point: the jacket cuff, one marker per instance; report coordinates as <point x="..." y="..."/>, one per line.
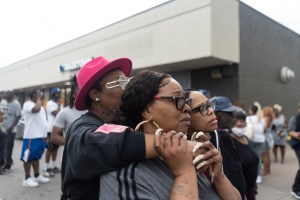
<point x="135" y="147"/>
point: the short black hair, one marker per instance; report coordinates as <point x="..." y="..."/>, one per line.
<point x="139" y="92"/>
<point x="254" y="109"/>
<point x="32" y="93"/>
<point x="240" y="114"/>
<point x="187" y="92"/>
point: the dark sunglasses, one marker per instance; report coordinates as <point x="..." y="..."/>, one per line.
<point x="203" y="108"/>
<point x="179" y="101"/>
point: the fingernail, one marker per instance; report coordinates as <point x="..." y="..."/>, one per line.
<point x="180" y="134"/>
<point x="197" y="146"/>
<point x="199" y="157"/>
<point x="212" y="177"/>
<point x="201" y="164"/>
<point x="174" y="132"/>
<point x="199" y="134"/>
<point x="193" y="136"/>
<point x="158" y="132"/>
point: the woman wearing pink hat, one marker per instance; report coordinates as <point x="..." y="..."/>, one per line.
<point x="93" y="147"/>
<point x="90" y="148"/>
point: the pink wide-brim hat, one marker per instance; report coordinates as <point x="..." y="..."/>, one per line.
<point x="93" y="71"/>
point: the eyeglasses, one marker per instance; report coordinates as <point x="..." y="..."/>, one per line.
<point x="122" y="83"/>
<point x="203" y="108"/>
<point x="179" y="101"/>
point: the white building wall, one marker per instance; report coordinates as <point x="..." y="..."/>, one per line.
<point x="225" y="30"/>
<point x="176" y="31"/>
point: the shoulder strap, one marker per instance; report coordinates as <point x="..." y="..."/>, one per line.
<point x="217" y="140"/>
<point x="218" y="145"/>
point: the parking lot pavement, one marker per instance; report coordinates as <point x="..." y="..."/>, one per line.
<point x="276" y="186"/>
<point x="11" y="184"/>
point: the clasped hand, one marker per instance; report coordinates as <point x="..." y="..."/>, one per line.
<point x="184" y="156"/>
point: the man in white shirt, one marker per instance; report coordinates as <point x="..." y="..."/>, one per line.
<point x="35" y="132"/>
<point x="52" y="109"/>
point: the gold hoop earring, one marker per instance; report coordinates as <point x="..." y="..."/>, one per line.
<point x="137" y="128"/>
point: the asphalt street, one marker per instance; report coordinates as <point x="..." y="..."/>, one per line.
<point x="276" y="186"/>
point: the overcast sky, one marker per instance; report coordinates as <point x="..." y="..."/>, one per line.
<point x="29" y="27"/>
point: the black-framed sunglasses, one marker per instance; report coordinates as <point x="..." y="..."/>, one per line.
<point x="203" y="108"/>
<point x="179" y="101"/>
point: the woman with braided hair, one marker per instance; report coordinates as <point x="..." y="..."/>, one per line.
<point x="155" y="102"/>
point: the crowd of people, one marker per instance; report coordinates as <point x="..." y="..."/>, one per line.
<point x="146" y="138"/>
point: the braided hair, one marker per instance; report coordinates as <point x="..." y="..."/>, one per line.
<point x="139" y="92"/>
<point x="74" y="86"/>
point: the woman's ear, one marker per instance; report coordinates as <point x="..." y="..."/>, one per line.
<point x="147" y="113"/>
<point x="94" y="95"/>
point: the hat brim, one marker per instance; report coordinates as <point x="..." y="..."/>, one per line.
<point x="230" y="109"/>
<point x="124" y="64"/>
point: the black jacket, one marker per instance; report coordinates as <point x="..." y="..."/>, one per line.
<point x="232" y="165"/>
<point x="88" y="154"/>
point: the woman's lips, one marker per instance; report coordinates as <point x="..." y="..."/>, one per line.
<point x="213" y="121"/>
<point x="186" y="121"/>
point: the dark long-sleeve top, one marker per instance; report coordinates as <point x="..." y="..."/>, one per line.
<point x="249" y="163"/>
<point x="91" y="151"/>
<point x="232" y="165"/>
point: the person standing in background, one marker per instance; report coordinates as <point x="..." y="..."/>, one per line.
<point x="269" y="142"/>
<point x="2" y="135"/>
<point x="294" y="133"/>
<point x="249" y="158"/>
<point x="240" y="104"/>
<point x="66" y="116"/>
<point x="64" y="119"/>
<point x="280" y="132"/>
<point x="52" y="109"/>
<point x="258" y="139"/>
<point x="12" y="115"/>
<point x="35" y="132"/>
<point x="223" y="109"/>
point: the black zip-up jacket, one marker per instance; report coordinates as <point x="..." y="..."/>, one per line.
<point x="89" y="153"/>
